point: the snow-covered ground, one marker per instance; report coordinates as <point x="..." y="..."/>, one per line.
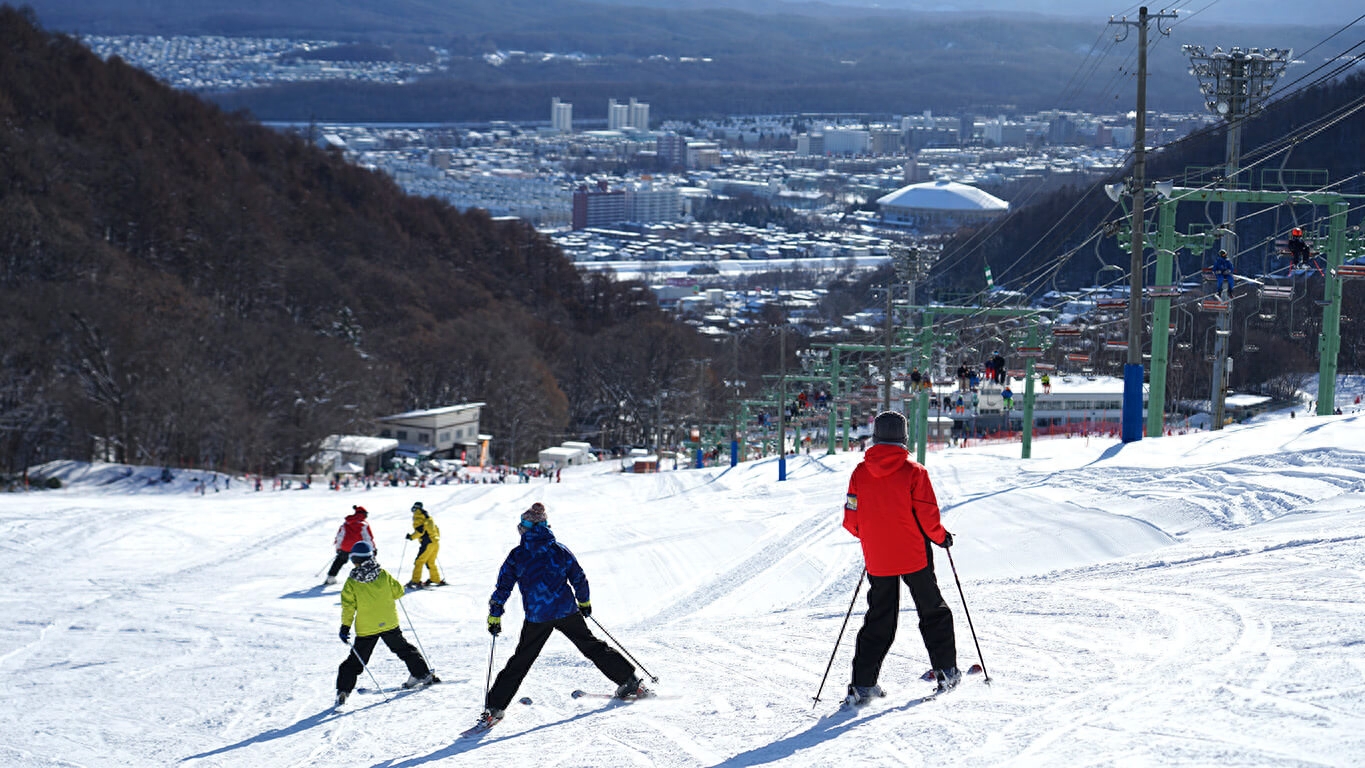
<point x="1194" y="600"/>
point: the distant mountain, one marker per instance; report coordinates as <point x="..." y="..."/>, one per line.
<point x="758" y="56"/>
<point x="1242" y="12"/>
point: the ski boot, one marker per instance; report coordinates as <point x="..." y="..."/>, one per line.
<point x="947" y="679"/>
<point x="631" y="689"/>
<point x="420" y="682"/>
<point x="861" y="694"/>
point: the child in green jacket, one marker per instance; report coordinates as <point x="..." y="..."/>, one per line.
<point x="370" y="601"/>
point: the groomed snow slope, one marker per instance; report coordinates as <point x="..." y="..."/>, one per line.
<point x="1182" y="601"/>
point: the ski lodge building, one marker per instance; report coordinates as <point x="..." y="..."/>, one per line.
<point x="450" y="432"/>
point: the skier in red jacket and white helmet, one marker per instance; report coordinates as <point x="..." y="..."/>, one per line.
<point x="353" y="529"/>
<point x="892" y="510"/>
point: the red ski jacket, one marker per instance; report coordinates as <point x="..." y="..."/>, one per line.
<point x="354" y="529"/>
<point x="891" y="508"/>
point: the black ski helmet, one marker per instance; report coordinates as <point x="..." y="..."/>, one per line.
<point x="361" y="551"/>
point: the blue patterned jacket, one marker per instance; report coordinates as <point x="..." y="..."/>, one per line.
<point x="543" y="569"/>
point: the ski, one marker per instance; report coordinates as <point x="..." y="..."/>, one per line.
<point x="974" y="669"/>
<point x="648" y="694"/>
<point x="480" y="728"/>
<point x="398" y="688"/>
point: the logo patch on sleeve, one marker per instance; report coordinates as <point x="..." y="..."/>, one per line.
<point x="851" y="502"/>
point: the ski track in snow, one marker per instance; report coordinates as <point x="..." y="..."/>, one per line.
<point x="1187" y="601"/>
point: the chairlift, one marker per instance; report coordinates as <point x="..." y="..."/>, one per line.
<point x="1162" y="291"/>
<point x="1111" y="304"/>
<point x="1116" y="346"/>
<point x="1065" y="331"/>
<point x="1215" y="305"/>
<point x="1349" y="272"/>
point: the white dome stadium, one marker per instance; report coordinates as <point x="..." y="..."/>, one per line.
<point x="939" y="205"/>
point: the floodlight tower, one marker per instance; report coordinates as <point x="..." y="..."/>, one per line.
<point x="1234" y="84"/>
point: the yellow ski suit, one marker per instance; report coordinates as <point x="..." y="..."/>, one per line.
<point x="425" y="530"/>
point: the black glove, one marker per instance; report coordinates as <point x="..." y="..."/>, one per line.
<point x="345" y="633"/>
<point x="495" y="625"/>
<point x="585" y="608"/>
<point x="947" y="540"/>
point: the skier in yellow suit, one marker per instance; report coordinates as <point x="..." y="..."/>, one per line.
<point x="424" y="530"/>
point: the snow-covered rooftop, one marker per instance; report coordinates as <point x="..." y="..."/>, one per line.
<point x="943" y="195"/>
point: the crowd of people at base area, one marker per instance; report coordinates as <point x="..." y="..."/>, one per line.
<point x="890" y="507"/>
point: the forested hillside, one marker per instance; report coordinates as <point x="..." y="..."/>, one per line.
<point x="178" y="284"/>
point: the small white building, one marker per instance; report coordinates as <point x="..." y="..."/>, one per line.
<point x="568" y="454"/>
<point x="353" y="454"/>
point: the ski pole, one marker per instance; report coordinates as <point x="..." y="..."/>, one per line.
<point x="413" y="629"/>
<point x="840" y="638"/>
<point x="325" y="566"/>
<point x="986" y="675"/>
<point x="652" y="678"/>
<point x="487" y="681"/>
<point x="366" y="667"/>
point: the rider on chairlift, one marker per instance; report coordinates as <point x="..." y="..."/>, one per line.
<point x="1299" y="253"/>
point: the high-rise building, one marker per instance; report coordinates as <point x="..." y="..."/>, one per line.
<point x="646" y="203"/>
<point x="618" y="115"/>
<point x="601" y="206"/>
<point x="639" y="115"/>
<point x="634" y="115"/>
<point x="598" y="207"/>
<point x="671" y="149"/>
<point x="561" y="115"/>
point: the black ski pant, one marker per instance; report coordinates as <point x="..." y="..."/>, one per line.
<point x="883" y="609"/>
<point x="339" y="561"/>
<point x="533" y="637"/>
<point x="350" y="669"/>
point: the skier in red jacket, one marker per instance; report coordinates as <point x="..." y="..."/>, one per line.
<point x="892" y="510"/>
<point x="353" y="529"/>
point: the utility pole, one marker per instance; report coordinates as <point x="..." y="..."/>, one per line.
<point x="1132" y="371"/>
<point x="886" y="353"/>
<point x="1234" y="83"/>
<point x="782" y="398"/>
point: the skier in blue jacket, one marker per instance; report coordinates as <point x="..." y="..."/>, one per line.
<point x="554" y="595"/>
<point x="1222" y="271"/>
